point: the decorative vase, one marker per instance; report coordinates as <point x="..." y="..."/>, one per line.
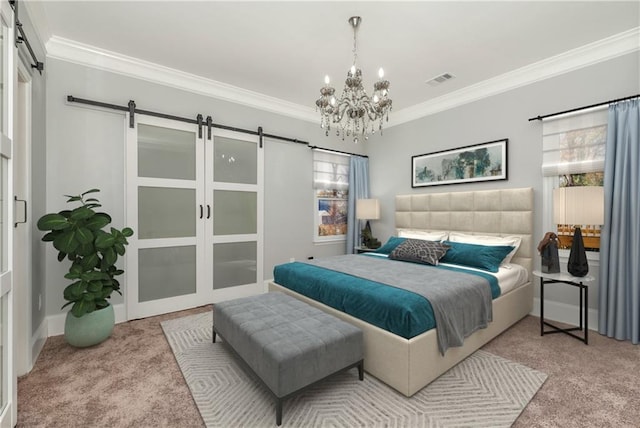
<point x="90" y="329"/>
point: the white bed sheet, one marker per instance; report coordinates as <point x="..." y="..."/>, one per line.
<point x="509" y="276"/>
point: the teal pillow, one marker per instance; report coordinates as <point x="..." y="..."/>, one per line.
<point x="390" y="245"/>
<point x="486" y="257"/>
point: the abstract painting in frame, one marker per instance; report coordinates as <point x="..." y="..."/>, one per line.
<point x="480" y="162"/>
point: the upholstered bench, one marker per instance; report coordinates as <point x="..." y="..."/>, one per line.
<point x="287" y="343"/>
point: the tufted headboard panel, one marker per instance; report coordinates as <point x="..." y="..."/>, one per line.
<point x="485" y="212"/>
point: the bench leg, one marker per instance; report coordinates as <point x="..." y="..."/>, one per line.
<point x="214" y="335"/>
<point x="278" y="411"/>
<point x="361" y="370"/>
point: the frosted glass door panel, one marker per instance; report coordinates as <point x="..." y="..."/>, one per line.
<point x="234" y="264"/>
<point x="234" y="212"/>
<point x="4" y="348"/>
<point x="166" y="153"/>
<point x="3" y="213"/>
<point x="235" y="161"/>
<point x="3" y="35"/>
<point x="166" y="272"/>
<point x="165" y="212"/>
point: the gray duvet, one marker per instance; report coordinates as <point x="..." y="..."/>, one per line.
<point x="461" y="302"/>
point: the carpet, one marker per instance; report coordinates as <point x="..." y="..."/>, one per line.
<point x="484" y="390"/>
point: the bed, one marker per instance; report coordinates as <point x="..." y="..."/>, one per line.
<point x="408" y="365"/>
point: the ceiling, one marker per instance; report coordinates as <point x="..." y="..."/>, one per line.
<point x="284" y="49"/>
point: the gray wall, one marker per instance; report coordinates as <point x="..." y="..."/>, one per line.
<point x="85" y="149"/>
<point x="501" y="116"/>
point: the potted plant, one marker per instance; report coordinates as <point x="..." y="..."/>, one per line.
<point x="79" y="235"/>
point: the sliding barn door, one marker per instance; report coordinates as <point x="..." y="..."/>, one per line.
<point x="234" y="187"/>
<point x="165" y="192"/>
<point x="195" y="204"/>
<point x="8" y="379"/>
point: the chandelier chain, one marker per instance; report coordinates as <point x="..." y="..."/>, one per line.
<point x="355" y="44"/>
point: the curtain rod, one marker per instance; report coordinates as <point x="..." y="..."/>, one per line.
<point x="131" y="108"/>
<point x="338" y="151"/>
<point x="22" y="38"/>
<point x="585" y="107"/>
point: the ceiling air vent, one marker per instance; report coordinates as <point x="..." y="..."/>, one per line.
<point x="440" y="79"/>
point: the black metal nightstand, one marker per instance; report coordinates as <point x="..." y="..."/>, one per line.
<point x="575" y="281"/>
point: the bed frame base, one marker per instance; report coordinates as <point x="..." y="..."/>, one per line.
<point x="408" y="365"/>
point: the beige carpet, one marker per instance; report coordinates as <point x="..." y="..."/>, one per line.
<point x="482" y="391"/>
<point x="133" y="380"/>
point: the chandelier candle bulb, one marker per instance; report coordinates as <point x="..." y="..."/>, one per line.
<point x="381" y="73"/>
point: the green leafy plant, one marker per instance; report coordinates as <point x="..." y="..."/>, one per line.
<point x="79" y="236"/>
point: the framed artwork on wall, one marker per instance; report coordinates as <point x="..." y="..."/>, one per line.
<point x="479" y="162"/>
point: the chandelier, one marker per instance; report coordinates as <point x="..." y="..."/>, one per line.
<point x="355" y="113"/>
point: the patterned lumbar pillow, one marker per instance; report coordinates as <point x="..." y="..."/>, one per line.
<point x="419" y="251"/>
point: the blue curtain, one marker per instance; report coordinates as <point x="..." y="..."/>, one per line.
<point x="619" y="308"/>
<point x="358" y="189"/>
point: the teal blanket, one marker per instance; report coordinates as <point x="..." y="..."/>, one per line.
<point x="396" y="310"/>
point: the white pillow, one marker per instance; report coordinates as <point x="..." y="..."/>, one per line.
<point x="425" y="235"/>
<point x="511" y="240"/>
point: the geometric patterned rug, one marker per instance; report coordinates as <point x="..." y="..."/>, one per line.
<point x="484" y="390"/>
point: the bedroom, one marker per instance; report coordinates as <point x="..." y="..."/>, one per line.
<point x="288" y="228"/>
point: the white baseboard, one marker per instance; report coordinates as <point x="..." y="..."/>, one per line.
<point x="56" y="322"/>
<point x="562" y="312"/>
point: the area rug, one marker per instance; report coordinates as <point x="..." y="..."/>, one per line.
<point x="484" y="390"/>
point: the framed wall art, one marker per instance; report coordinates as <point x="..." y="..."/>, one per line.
<point x="480" y="162"/>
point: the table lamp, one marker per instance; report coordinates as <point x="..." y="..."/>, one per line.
<point x="577" y="206"/>
<point x="368" y="209"/>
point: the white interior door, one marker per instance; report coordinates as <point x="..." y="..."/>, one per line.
<point x="234" y="234"/>
<point x="7" y="373"/>
<point x="22" y="221"/>
<point x="165" y="207"/>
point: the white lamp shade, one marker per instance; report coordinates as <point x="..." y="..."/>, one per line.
<point x="578" y="205"/>
<point x="367" y="209"/>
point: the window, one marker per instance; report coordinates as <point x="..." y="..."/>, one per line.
<point x="573" y="155"/>
<point x="331" y="190"/>
<point x="590" y="232"/>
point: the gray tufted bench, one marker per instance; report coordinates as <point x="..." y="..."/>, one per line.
<point x="287" y="343"/>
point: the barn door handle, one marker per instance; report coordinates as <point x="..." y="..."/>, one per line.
<point x="15" y="198"/>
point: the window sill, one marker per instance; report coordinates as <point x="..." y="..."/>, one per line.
<point x="330" y="241"/>
<point x="591" y="255"/>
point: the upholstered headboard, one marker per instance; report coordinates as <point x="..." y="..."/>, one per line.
<point x="485" y="212"/>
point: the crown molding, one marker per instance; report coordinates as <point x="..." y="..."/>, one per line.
<point x="602" y="50"/>
<point x="90" y="56"/>
<point x="593" y="53"/>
